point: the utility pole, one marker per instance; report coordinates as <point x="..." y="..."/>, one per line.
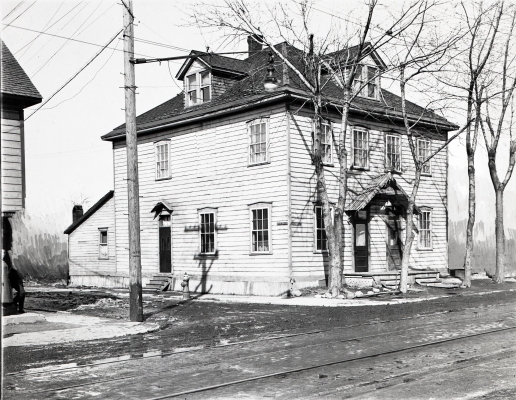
<point x="133" y="192"/>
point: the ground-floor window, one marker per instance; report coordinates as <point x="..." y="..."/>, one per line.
<point x="425" y="229"/>
<point x="321" y="242"/>
<point x="207" y="231"/>
<point x="103" y="244"/>
<point x="260" y="220"/>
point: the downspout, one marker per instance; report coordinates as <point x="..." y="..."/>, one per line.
<point x="289" y="203"/>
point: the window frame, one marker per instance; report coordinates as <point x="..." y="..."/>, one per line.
<point x="202" y="211"/>
<point x="366" y="131"/>
<point x="420" y="245"/>
<point x="390" y="167"/>
<point x="316" y="228"/>
<point x="260" y="206"/>
<point x="363" y="82"/>
<point x="329" y="124"/>
<point x="428" y="164"/>
<point x="249" y="125"/>
<point x="199" y="98"/>
<point x="165" y="142"/>
<point x="100" y="244"/>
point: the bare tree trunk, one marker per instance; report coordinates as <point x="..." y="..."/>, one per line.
<point x="500" y="238"/>
<point x="471" y="216"/>
<point x="409" y="233"/>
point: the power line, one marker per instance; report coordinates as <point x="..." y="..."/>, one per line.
<point x="21" y="14"/>
<point x="14" y="9"/>
<point x="77" y="73"/>
<point x="65" y="43"/>
<point x="44" y="30"/>
<point x="68" y="38"/>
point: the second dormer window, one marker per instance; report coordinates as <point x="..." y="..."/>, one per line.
<point x="198" y="87"/>
<point x="366" y="81"/>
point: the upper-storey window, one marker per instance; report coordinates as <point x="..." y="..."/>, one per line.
<point x="163" y="160"/>
<point x="366" y="81"/>
<point x="424" y="148"/>
<point x="326" y="142"/>
<point x="258" y="131"/>
<point x="198" y="87"/>
<point x="392" y="152"/>
<point x="360" y="148"/>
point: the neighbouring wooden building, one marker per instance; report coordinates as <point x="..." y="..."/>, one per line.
<point x="17" y="93"/>
<point x="227" y="186"/>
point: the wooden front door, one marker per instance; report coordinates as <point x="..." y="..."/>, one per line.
<point x="165" y="247"/>
<point x="361" y="244"/>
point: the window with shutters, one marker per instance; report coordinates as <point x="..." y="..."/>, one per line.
<point x="163" y="160"/>
<point x="207" y="231"/>
<point x="103" y="244"/>
<point x="258" y="134"/>
<point x="260" y="220"/>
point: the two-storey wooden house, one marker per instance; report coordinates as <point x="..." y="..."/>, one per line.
<point x="227" y="186"/>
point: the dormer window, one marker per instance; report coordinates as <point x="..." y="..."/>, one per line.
<point x="366" y="80"/>
<point x="198" y="87"/>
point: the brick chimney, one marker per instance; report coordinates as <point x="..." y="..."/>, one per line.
<point x="252" y="45"/>
<point x="77" y="212"/>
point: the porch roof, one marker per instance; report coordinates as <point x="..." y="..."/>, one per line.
<point x="373" y="188"/>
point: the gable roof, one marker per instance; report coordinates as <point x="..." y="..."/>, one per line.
<point x="249" y="91"/>
<point x="233" y="66"/>
<point x="351" y="52"/>
<point x="93" y="209"/>
<point x="15" y="81"/>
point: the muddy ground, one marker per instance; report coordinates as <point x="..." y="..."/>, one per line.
<point x="199" y="323"/>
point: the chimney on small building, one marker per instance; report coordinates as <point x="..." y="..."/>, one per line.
<point x="77" y="212"/>
<point x="253" y="45"/>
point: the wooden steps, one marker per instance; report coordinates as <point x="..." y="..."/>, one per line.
<point x="158" y="283"/>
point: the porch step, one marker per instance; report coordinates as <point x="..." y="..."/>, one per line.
<point x="157" y="283"/>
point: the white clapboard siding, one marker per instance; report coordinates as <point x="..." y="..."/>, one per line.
<point x="432" y="193"/>
<point x="12" y="165"/>
<point x="83" y="244"/>
<point x="209" y="168"/>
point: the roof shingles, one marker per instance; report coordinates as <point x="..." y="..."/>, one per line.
<point x="251" y="87"/>
<point x="14" y="79"/>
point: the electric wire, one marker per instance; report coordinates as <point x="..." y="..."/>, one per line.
<point x="45" y="28"/>
<point x="65" y="43"/>
<point x="77" y="73"/>
<point x="13" y="10"/>
<point x="24" y="11"/>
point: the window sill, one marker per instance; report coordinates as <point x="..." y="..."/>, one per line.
<point x="357" y="169"/>
<point x="257" y="164"/>
<point x="206" y="256"/>
<point x="323" y="252"/>
<point x="424" y="249"/>
<point x="328" y="164"/>
<point x="103" y="258"/>
<point x="163" y="179"/>
<point x="429" y="174"/>
<point x="261" y="253"/>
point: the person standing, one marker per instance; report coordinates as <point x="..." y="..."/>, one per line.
<point x="16" y="282"/>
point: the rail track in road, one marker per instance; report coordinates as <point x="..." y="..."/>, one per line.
<point x="499" y="317"/>
<point x="117" y="359"/>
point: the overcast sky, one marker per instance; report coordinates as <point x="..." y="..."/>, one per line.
<point x="65" y="158"/>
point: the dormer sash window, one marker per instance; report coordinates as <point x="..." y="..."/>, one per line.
<point x="366" y="81"/>
<point x="198" y="88"/>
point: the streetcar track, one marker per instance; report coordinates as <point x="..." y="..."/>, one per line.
<point x="285" y="336"/>
<point x="303" y="369"/>
<point x="160" y="371"/>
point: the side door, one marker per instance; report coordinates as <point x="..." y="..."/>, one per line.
<point x="361" y="241"/>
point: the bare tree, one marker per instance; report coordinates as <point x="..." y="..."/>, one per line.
<point x="496" y="102"/>
<point x="426" y="54"/>
<point x="482" y="32"/>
